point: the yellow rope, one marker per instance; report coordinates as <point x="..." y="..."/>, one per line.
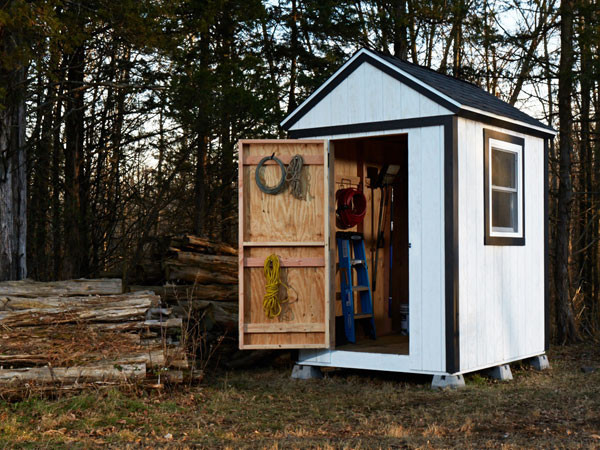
<point x="271" y="301"/>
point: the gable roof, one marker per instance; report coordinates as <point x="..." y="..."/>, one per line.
<point x="458" y="96"/>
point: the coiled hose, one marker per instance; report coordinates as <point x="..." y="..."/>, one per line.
<point x="351" y="208"/>
<point x="273" y="190"/>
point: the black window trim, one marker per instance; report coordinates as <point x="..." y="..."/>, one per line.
<point x="501" y="240"/>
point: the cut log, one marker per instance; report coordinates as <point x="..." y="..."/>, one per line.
<point x="168" y="324"/>
<point x="224" y="314"/>
<point x="70" y="375"/>
<point x="127" y="307"/>
<point x="201" y="245"/>
<point x="29" y="288"/>
<point x="171" y="293"/>
<point x="198" y="275"/>
<point x="12" y="303"/>
<point x="213" y="263"/>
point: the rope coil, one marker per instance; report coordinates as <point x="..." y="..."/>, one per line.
<point x="292" y="176"/>
<point x="352" y="207"/>
<point x="271" y="301"/>
<point x="272" y="190"/>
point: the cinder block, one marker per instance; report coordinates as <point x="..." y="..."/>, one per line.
<point x="447" y="381"/>
<point x="539" y="362"/>
<point x="306" y="372"/>
<point x="501" y="373"/>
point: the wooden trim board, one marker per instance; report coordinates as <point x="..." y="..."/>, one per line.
<point x="309" y="160"/>
<point x="287" y="262"/>
<point x="283" y="327"/>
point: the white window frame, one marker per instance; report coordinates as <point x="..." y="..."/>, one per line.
<point x="518" y="151"/>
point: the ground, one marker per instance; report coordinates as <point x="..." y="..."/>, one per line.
<point x="264" y="408"/>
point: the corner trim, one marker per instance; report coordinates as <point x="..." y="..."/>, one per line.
<point x="546" y="251"/>
<point x="500" y="240"/>
<point x="366" y="127"/>
<point x="451" y="244"/>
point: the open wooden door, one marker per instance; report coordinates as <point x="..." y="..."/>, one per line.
<point x="298" y="232"/>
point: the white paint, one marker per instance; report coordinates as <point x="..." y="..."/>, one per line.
<point x="427" y="347"/>
<point x="501" y="288"/>
<point x="426" y="255"/>
<point x="368" y="95"/>
<point x="517" y="150"/>
<point x="350" y="61"/>
<point x="392" y="96"/>
<point x="360" y="360"/>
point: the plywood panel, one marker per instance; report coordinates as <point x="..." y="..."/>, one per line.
<point x="501" y="287"/>
<point x="283" y="217"/>
<point x="297" y="232"/>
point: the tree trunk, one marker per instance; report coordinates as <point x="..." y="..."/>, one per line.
<point x="13" y="175"/>
<point x="587" y="257"/>
<point x="400" y="30"/>
<point x="565" y="322"/>
<point x="74" y="129"/>
<point x="294" y="48"/>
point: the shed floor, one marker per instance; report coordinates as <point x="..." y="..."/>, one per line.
<point x="391" y="344"/>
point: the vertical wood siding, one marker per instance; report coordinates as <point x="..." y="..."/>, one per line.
<point x="501" y="288"/>
<point x="426" y="255"/>
<point x="368" y="95"/>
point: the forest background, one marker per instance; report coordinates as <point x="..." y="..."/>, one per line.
<point x="119" y="120"/>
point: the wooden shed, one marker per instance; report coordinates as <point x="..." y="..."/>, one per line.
<point x="463" y="241"/>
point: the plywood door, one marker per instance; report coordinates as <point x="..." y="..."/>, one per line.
<point x="295" y="230"/>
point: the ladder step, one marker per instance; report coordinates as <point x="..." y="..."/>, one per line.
<point x="362" y="316"/>
<point x="357" y="262"/>
<point x="360" y="288"/>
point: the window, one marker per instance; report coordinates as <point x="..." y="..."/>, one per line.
<point x="503" y="186"/>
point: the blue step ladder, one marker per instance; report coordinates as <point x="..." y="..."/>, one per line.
<point x="352" y="255"/>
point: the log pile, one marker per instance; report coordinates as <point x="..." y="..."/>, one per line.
<point x="77" y="332"/>
<point x="202" y="276"/>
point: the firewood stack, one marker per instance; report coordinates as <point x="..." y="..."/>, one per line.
<point x="70" y="334"/>
<point x="202" y="275"/>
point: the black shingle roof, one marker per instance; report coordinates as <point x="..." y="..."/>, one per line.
<point x="463" y="92"/>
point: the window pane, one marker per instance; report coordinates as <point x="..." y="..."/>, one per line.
<point x="504" y="210"/>
<point x="504" y="168"/>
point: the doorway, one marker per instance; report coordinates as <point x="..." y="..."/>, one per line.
<point x="362" y="163"/>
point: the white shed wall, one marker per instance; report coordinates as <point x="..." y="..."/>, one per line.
<point x="501" y="288"/>
<point x="368" y="95"/>
<point x="427" y="349"/>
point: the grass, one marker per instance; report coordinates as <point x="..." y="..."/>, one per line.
<point x="264" y="408"/>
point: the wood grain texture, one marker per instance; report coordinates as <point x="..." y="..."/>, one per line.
<point x="309" y="159"/>
<point x="30" y="288"/>
<point x="293" y="229"/>
<point x="287" y="262"/>
<point x="283" y="217"/>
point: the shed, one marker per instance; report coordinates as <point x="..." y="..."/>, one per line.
<point x="463" y="241"/>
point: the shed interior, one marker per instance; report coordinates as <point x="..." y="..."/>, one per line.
<point x="357" y="163"/>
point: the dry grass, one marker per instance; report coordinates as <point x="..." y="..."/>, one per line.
<point x="263" y="408"/>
